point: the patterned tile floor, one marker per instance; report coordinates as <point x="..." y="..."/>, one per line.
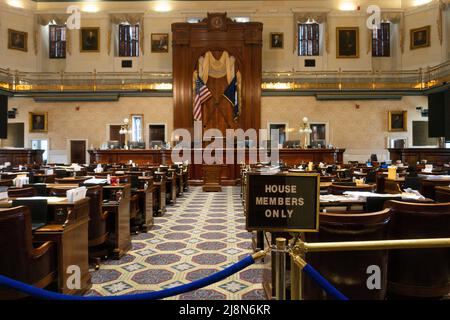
<point x="201" y="234"/>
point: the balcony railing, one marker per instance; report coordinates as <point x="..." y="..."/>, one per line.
<point x="42" y="82"/>
<point x="419" y="79"/>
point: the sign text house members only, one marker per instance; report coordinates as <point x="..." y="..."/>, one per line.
<point x="283" y="202"/>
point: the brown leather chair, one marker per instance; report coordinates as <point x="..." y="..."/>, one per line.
<point x="6" y="183"/>
<point x="419" y="272"/>
<point x="70" y="181"/>
<point x="337" y="189"/>
<point x="20" y="260"/>
<point x="327" y="178"/>
<point x="428" y="186"/>
<point x="97" y="230"/>
<point x="21" y="192"/>
<point x="347" y="270"/>
<point x="442" y="194"/>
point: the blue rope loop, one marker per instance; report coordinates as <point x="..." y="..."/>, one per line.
<point x="215" y="277"/>
<point x="323" y="283"/>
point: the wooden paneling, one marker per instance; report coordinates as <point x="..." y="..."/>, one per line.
<point x="21" y="156"/>
<point x="413" y="155"/>
<point x="241" y="40"/>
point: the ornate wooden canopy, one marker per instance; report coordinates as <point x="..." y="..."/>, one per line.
<point x="217" y="34"/>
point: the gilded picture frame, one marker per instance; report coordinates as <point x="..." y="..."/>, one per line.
<point x="347" y="42"/>
<point x="38" y="121"/>
<point x="276" y="40"/>
<point x="419" y="37"/>
<point x="17" y="40"/>
<point x="397" y="121"/>
<point x="160" y="42"/>
<point x="90" y="39"/>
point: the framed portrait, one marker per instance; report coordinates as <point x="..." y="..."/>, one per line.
<point x="347" y="42"/>
<point x="318" y="136"/>
<point x="90" y="39"/>
<point x="38" y="122"/>
<point x="160" y="42"/>
<point x="277" y="40"/>
<point x="398" y="121"/>
<point x="419" y="38"/>
<point x="17" y="40"/>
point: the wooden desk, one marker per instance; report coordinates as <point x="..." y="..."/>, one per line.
<point x="230" y="173"/>
<point x="160" y="184"/>
<point x="413" y="155"/>
<point x="21" y="156"/>
<point x="119" y="219"/>
<point x="44" y="178"/>
<point x="72" y="243"/>
<point x="147" y="195"/>
<point x="68" y="228"/>
<point x="171" y="186"/>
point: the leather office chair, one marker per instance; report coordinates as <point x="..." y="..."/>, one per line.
<point x="20" y="260"/>
<point x="21" y="192"/>
<point x="6" y="183"/>
<point x="337" y="189"/>
<point x="442" y="194"/>
<point x="419" y="272"/>
<point x="327" y="178"/>
<point x="428" y="185"/>
<point x="97" y="230"/>
<point x="412" y="182"/>
<point x="70" y="181"/>
<point x="347" y="270"/>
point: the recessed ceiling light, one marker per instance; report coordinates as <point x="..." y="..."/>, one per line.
<point x="90" y="8"/>
<point x="347" y="6"/>
<point x="162" y="6"/>
<point x="15" y="3"/>
<point x="420" y="2"/>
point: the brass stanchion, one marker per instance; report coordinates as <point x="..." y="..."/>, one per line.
<point x="280" y="269"/>
<point x="374" y="245"/>
<point x="296" y="275"/>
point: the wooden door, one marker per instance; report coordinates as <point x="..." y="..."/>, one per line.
<point x="78" y="151"/>
<point x="114" y="134"/>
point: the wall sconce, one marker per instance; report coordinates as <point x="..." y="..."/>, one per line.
<point x="305" y="129"/>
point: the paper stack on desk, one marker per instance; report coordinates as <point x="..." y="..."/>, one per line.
<point x="20" y="181"/>
<point x="96" y="181"/>
<point x="76" y="194"/>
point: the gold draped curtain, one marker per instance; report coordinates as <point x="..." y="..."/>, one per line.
<point x="394" y="18"/>
<point x="131" y="18"/>
<point x="42" y="20"/>
<point x="209" y="66"/>
<point x="303" y="17"/>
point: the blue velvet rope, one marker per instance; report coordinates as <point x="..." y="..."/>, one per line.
<point x="323" y="283"/>
<point x="215" y="277"/>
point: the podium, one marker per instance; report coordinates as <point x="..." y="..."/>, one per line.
<point x="212" y="178"/>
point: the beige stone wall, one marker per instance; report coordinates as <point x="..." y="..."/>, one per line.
<point x="90" y="122"/>
<point x="275" y="18"/>
<point x="361" y="131"/>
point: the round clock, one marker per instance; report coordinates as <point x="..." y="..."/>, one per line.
<point x="217" y="22"/>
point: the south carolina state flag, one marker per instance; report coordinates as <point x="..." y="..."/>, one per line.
<point x="231" y="94"/>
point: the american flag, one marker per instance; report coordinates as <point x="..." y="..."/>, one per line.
<point x="202" y="94"/>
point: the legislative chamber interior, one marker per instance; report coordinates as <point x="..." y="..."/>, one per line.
<point x="225" y="150"/>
